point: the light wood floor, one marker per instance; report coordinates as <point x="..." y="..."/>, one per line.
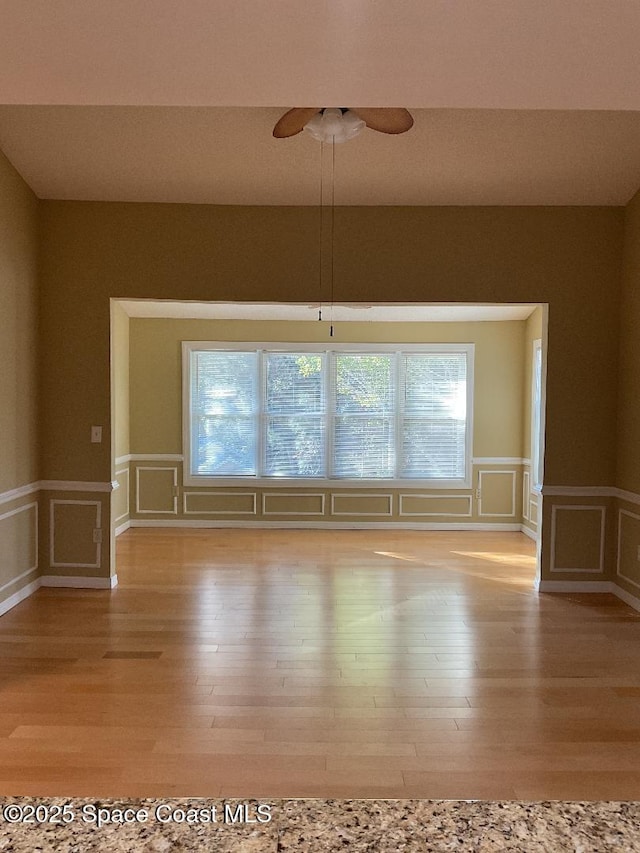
<point x="321" y="663"/>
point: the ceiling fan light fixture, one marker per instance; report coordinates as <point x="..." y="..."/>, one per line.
<point x="332" y="125"/>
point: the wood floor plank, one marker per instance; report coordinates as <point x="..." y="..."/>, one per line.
<point x="293" y="663"/>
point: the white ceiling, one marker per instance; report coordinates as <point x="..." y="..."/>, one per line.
<point x="515" y="101"/>
<point x="380" y="312"/>
<point x="228" y="156"/>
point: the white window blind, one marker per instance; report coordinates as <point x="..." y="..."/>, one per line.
<point x="294" y="422"/>
<point x="354" y="415"/>
<point x="434" y="416"/>
<point x="224" y="408"/>
<point x="363" y="426"/>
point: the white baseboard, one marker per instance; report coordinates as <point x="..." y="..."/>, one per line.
<point x="575" y="586"/>
<point x="528" y="532"/>
<point x="625" y="596"/>
<point x="591" y="586"/>
<point x="77" y="582"/>
<point x="122" y="527"/>
<point x="19" y="596"/>
<point x="324" y="525"/>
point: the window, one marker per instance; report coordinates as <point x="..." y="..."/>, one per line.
<point x="298" y="412"/>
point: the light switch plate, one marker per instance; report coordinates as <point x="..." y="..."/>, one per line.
<point x="96" y="434"/>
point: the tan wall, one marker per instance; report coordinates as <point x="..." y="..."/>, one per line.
<point x="158" y="497"/>
<point x="156" y="364"/>
<point x="19" y="450"/>
<point x="156" y="428"/>
<point x="567" y="257"/>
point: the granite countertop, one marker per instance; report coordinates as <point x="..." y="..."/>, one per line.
<point x="316" y="826"/>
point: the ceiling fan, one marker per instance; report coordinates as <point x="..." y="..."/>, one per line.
<point x="384" y="119"/>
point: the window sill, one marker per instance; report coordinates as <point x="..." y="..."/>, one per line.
<point x="322" y="483"/>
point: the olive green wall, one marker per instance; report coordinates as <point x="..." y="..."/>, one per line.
<point x="19" y="451"/>
<point x="568" y="257"/>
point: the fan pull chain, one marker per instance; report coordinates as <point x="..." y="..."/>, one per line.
<point x="333" y="209"/>
<point x="321" y="230"/>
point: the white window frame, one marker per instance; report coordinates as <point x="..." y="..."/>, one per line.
<point x="190" y="479"/>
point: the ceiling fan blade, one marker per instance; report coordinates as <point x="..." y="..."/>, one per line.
<point x="385" y="119"/>
<point x="293" y="121"/>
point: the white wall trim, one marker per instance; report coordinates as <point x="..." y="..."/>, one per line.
<point x="575" y="586"/>
<point x="52" y="535"/>
<point x="189" y="492"/>
<point x="327" y="525"/>
<point x="630" y="497"/>
<point x="122" y="460"/>
<point x="19" y="577"/>
<point x="320" y="495"/>
<point x="468" y="514"/>
<point x="74" y="486"/>
<point x="590" y="586"/>
<point x="499" y="460"/>
<point x="511" y="514"/>
<point x="20" y="492"/>
<point x="79" y="582"/>
<point x="533" y="509"/>
<point x="579" y="491"/>
<point x="529" y="532"/>
<point x="622" y="512"/>
<point x="173" y="511"/>
<point x="156" y="457"/>
<point x="591" y="492"/>
<point x="121" y="528"/>
<point x="625" y="596"/>
<point x="574" y="507"/>
<point x="20" y="595"/>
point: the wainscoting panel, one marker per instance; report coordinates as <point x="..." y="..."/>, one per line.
<point x="18" y="545"/>
<point x="436" y="505"/>
<point x="71" y="533"/>
<point x="355" y="505"/>
<point x="526" y="488"/>
<point x="219" y="503"/>
<point x="120" y="499"/>
<point x="628" y="556"/>
<point x="158" y="493"/>
<point x="290" y="504"/>
<point x="497" y="494"/>
<point x="156" y="488"/>
<point x="578" y="538"/>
